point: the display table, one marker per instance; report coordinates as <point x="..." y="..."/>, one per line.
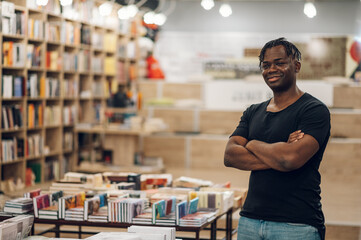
<point x="212" y="226"/>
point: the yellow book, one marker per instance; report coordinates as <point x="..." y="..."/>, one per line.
<point x="110" y="42"/>
<point x="114" y="86"/>
<point x="54" y="60"/>
<point x="31" y="28"/>
<point x="109" y="65"/>
<point x="42" y="86"/>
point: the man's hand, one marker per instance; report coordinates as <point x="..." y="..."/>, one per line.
<point x="295" y="136"/>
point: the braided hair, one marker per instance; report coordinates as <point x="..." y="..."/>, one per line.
<point x="291" y="49"/>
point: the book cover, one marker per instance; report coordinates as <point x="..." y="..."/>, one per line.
<point x="181" y="210"/>
<point x="40" y="202"/>
<point x="193" y="205"/>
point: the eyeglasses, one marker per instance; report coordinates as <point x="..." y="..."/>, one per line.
<point x="277" y="64"/>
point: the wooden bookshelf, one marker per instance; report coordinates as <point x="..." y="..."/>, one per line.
<point x="62" y="75"/>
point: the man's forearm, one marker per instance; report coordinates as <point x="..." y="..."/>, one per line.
<point x="275" y="155"/>
<point x="239" y="157"/>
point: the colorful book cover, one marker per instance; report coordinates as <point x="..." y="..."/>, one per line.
<point x="40" y="202"/>
<point x="193" y="205"/>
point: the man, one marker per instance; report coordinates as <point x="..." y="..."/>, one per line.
<point x="281" y="141"/>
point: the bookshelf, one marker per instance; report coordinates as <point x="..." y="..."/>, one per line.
<point x="58" y="69"/>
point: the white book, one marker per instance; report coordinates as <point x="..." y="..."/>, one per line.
<point x="7" y="86"/>
<point x="168" y="231"/>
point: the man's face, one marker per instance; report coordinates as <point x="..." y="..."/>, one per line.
<point x="279" y="70"/>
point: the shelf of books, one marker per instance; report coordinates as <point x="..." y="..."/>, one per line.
<point x="59" y="65"/>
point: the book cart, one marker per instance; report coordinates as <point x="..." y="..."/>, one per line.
<point x="212" y="226"/>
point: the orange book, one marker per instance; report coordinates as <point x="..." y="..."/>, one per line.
<point x="42" y="86"/>
<point x="31" y="115"/>
<point x="40" y="115"/>
<point x="48" y="59"/>
<point x="10" y="54"/>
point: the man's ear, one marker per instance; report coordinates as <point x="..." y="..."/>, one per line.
<point x="297" y="66"/>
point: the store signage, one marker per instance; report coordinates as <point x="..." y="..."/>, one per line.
<point x="238" y="95"/>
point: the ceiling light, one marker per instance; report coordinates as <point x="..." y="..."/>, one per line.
<point x="160" y="19"/>
<point x="225" y="10"/>
<point x="207" y="4"/>
<point x="309" y="10"/>
<point x="149" y="17"/>
<point x="132" y="10"/>
<point x="105" y="9"/>
<point x="123" y="13"/>
<point x="41" y="2"/>
<point x="66" y="2"/>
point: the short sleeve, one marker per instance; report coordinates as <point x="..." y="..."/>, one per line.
<point x="315" y="121"/>
<point x="243" y="126"/>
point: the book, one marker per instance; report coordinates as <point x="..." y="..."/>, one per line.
<point x="93" y="204"/>
<point x="158" y="210"/>
<point x="123" y="177"/>
<point x="198" y="218"/>
<point x="169" y="232"/>
<point x="69" y="202"/>
<point x="40" y="202"/>
<point x="32" y="193"/>
<point x="193" y="205"/>
<point x="23" y="223"/>
<point x="19" y="205"/>
<point x="181" y="210"/>
<point x="99" y="216"/>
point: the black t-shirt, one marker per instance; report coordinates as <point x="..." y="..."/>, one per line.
<point x="287" y="196"/>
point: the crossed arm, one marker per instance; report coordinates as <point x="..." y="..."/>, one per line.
<point x="282" y="156"/>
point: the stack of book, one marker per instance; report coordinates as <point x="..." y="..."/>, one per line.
<point x="125" y="209"/>
<point x="167" y="233"/>
<point x="209" y="197"/>
<point x="75" y="214"/>
<point x="68" y="188"/>
<point x="72" y="207"/>
<point x="19" y="205"/>
<point x="164" y="212"/>
<point x="150" y="181"/>
<point x="195" y="216"/>
<point x="18" y="227"/>
<point x="239" y="197"/>
<point x="144" y="218"/>
<point x="99" y="216"/>
<point x="123" y="177"/>
<point x="46" y="205"/>
<point x="189" y="182"/>
<point x="155" y="235"/>
<point x="198" y="218"/>
<point x="93" y="205"/>
<point x="91" y="180"/>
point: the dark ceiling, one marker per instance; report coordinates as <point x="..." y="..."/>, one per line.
<point x="149" y="4"/>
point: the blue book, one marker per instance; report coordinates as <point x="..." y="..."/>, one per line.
<point x="181" y="210"/>
<point x="193" y="205"/>
<point x="18" y="86"/>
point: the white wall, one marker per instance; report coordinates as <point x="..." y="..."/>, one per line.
<point x="333" y="17"/>
<point x="193" y="36"/>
